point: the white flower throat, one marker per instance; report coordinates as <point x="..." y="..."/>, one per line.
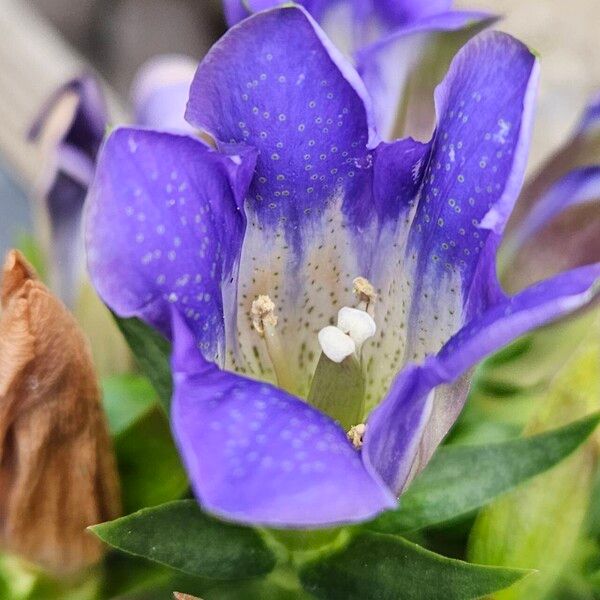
<point x="338" y="384"/>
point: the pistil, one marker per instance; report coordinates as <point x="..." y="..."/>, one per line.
<point x="339" y="384"/>
<point x="338" y="389"/>
<point x="264" y="321"/>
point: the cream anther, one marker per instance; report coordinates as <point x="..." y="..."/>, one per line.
<point x="365" y="293"/>
<point x="358" y="324"/>
<point x="356" y="435"/>
<point x="263" y="313"/>
<point x="336" y="345"/>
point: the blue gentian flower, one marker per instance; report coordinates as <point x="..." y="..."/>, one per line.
<point x="302" y="263"/>
<point x="401" y="49"/>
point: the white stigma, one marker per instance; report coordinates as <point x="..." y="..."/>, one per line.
<point x="354" y="325"/>
<point x="336" y="344"/>
<point x="358" y="324"/>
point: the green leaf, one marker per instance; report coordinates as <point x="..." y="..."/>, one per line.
<point x="384" y="567"/>
<point x="181" y="536"/>
<point x="126" y="398"/>
<point x="460" y="479"/>
<point x="149" y="465"/>
<point x="152" y="352"/>
<point x="130" y="575"/>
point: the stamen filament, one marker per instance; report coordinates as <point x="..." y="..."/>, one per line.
<point x="338" y="386"/>
<point x="264" y="321"/>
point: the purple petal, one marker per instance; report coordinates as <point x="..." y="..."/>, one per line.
<point x="431" y="277"/>
<point x="276" y="83"/>
<point x="164" y="230"/>
<point x="80" y="126"/>
<point x="475" y="171"/>
<point x="400" y="12"/>
<point x="65" y="201"/>
<point x="72" y="124"/>
<point x="395" y="429"/>
<point x="160" y="92"/>
<point x="259" y="455"/>
<point x="402" y="68"/>
<point x="390" y="13"/>
<point x="397" y="179"/>
<point x="236" y="10"/>
<point x="561" y="232"/>
<point x="406" y="409"/>
<point x="536" y="306"/>
<point x="591" y="116"/>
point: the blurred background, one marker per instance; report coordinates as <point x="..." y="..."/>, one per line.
<point x="44" y="42"/>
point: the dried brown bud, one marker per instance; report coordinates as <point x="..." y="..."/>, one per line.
<point x="57" y="468"/>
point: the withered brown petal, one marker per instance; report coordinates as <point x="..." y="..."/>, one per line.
<point x="57" y="468"/>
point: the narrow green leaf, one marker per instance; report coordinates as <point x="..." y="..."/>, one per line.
<point x="460" y="479"/>
<point x="383" y="567"/>
<point x="149" y="464"/>
<point x="152" y="352"/>
<point x="181" y="536"/>
<point x="126" y="399"/>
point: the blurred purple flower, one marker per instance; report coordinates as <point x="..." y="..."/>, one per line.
<point x="556" y="222"/>
<point x="72" y="126"/>
<point x="401" y="49"/>
<point x="160" y="91"/>
<point x="299" y="199"/>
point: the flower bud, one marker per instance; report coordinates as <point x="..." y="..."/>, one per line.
<point x="57" y="468"/>
<point x="539" y="524"/>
